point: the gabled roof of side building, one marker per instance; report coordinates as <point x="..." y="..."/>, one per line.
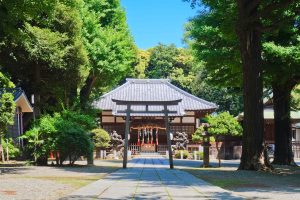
<point x="269" y="115"/>
<point x="20" y="98"/>
<point x="153" y="90"/>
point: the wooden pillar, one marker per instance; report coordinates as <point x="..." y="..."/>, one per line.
<point x="168" y="137"/>
<point x="126" y="137"/>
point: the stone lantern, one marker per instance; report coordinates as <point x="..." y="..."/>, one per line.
<point x="206" y="145"/>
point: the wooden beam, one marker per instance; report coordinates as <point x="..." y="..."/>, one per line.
<point x="145" y="103"/>
<point x="126" y="137"/>
<point x="145" y="112"/>
<point x="168" y="137"/>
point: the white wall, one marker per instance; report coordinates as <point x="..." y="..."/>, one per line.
<point x="297" y="134"/>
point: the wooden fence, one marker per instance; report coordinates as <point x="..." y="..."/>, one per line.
<point x="134" y="148"/>
<point x="162" y="149"/>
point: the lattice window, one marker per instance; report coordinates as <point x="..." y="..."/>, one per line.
<point x="187" y="129"/>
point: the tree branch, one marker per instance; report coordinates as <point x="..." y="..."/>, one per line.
<point x="273" y="6"/>
<point x="277" y="23"/>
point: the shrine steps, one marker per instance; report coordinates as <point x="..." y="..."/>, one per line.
<point x="149" y="155"/>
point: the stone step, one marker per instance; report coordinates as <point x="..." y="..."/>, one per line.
<point x="148" y="155"/>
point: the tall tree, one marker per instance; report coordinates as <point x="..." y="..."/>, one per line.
<point x="249" y="19"/>
<point x="168" y="61"/>
<point x="7" y="107"/>
<point x="143" y="58"/>
<point x="43" y="50"/>
<point x="111" y="49"/>
<point x="283" y="67"/>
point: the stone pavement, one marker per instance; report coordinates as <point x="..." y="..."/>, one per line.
<point x="150" y="178"/>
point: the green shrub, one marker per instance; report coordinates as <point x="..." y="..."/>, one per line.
<point x="66" y="132"/>
<point x="199" y="154"/>
<point x="72" y="142"/>
<point x="41" y="138"/>
<point x="185" y="154"/>
<point x="101" y="138"/>
<point x="13" y="151"/>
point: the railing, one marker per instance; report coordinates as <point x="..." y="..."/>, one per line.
<point x="134" y="148"/>
<point x="162" y="148"/>
<point x="296" y="149"/>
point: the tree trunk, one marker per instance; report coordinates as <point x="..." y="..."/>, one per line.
<point x="37" y="94"/>
<point x="283" y="154"/>
<point x="1" y="150"/>
<point x="86" y="90"/>
<point x="253" y="124"/>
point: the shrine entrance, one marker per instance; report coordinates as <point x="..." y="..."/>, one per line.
<point x="128" y="110"/>
<point x="147" y="139"/>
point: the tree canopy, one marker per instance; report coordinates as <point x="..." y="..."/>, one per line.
<point x="7" y="104"/>
<point x="223" y="31"/>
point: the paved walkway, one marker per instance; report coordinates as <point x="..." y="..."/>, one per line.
<point x="150" y="178"/>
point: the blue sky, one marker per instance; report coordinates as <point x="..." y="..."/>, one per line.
<point x="154" y="21"/>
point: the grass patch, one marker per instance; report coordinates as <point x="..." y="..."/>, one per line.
<point x="218" y="180"/>
<point x="231" y="179"/>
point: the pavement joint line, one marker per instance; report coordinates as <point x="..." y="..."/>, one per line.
<point x="136" y="188"/>
<point x="161" y="182"/>
<point x="131" y="169"/>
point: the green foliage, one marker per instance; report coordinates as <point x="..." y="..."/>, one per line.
<point x="168" y="61"/>
<point x="199" y="155"/>
<point x="101" y="138"/>
<point x="227" y="98"/>
<point x="86" y="122"/>
<point x="212" y="37"/>
<point x="296" y="98"/>
<point x="45" y="51"/>
<point x="7" y="104"/>
<point x="5" y="82"/>
<point x="7" y="111"/>
<point x="41" y="138"/>
<point x="219" y="125"/>
<point x="162" y="61"/>
<point x="13" y="151"/>
<point x="198" y="137"/>
<point x="224" y="124"/>
<point x="185" y="154"/>
<point x="66" y="132"/>
<point x="72" y="141"/>
<point x="111" y="49"/>
<point x="143" y="58"/>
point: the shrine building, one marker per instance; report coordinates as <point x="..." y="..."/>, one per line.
<point x="147" y="125"/>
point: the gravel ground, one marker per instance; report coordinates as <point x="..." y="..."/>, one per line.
<point x="49" y="183"/>
<point x="282" y="185"/>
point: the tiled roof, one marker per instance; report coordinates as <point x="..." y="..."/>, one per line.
<point x="269" y="114"/>
<point x="152" y="90"/>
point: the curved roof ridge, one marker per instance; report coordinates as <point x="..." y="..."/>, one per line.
<point x="152" y="90"/>
<point x="145" y="80"/>
<point x="115" y="90"/>
<point x="192" y="96"/>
